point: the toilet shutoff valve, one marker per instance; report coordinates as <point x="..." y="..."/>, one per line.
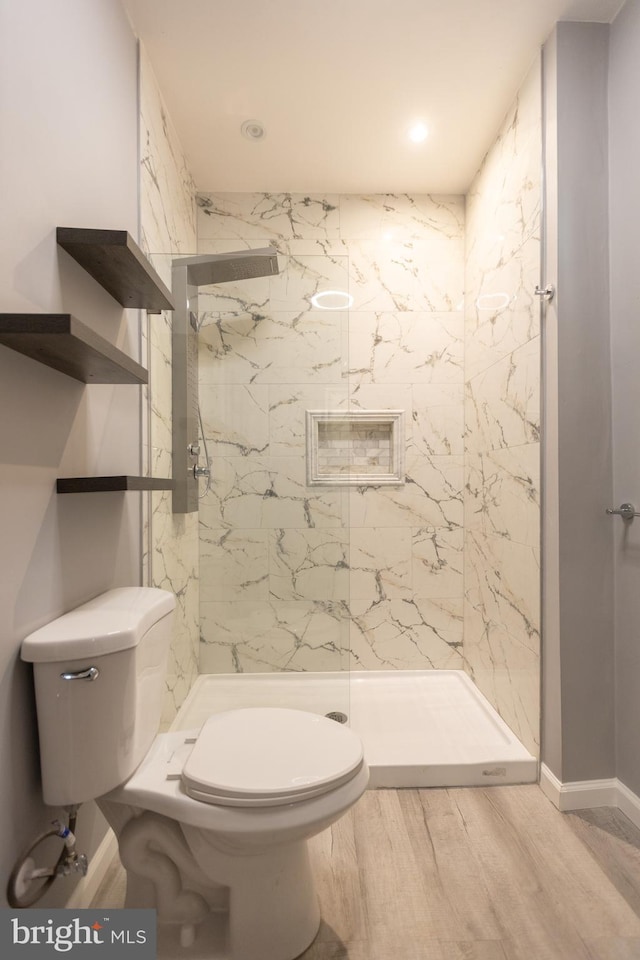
<point x="75" y="863"/>
<point x="71" y="861"/>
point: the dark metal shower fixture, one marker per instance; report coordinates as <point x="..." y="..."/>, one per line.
<point x="188" y="274"/>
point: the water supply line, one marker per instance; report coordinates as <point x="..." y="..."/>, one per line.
<point x="26" y="874"/>
<point x="207" y="459"/>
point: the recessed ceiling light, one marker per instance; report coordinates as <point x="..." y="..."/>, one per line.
<point x="253" y="130"/>
<point x="418" y="132"/>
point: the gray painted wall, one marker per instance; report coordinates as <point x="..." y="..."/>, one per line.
<point x="624" y="167"/>
<point x="68" y="115"/>
<point x="579" y="733"/>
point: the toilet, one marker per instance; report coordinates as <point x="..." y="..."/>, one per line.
<point x="212" y="824"/>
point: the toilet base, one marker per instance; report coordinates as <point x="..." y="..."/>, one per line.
<point x="258" y="903"/>
<point x="210" y="943"/>
<point x="272" y="915"/>
<point x="273" y="908"/>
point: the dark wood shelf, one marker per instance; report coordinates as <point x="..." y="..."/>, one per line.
<point x="111" y="484"/>
<point x="116" y="261"/>
<point x="64" y="343"/>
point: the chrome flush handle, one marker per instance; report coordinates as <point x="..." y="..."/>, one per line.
<point x="91" y="673"/>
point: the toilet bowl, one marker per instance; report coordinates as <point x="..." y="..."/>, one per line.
<point x="212" y="824"/>
<point x="247" y="790"/>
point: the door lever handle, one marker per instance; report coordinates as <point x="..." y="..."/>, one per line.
<point x="626" y="510"/>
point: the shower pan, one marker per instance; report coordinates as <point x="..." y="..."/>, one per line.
<point x="419" y="728"/>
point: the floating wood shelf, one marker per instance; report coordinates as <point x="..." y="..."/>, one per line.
<point x="64" y="343"/>
<point x="111" y="484"/>
<point x="116" y="261"/>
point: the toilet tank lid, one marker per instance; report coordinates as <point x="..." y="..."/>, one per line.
<point x="115" y="620"/>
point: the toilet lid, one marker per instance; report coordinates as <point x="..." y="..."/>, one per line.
<point x="269" y="756"/>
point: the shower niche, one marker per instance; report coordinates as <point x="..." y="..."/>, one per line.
<point x="360" y="448"/>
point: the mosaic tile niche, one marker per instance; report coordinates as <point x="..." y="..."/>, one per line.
<point x="359" y="449"/>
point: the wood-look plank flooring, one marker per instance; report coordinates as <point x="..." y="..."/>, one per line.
<point x="470" y="874"/>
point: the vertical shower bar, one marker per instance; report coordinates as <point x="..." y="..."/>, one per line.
<point x="187" y="274"/>
<point x="184" y="375"/>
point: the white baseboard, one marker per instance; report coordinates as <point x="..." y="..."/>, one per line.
<point x="100" y="862"/>
<point x="590" y="793"/>
<point x="629" y="803"/>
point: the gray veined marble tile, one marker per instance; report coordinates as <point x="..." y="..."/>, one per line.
<point x="290" y="247"/>
<point x="502" y="578"/>
<point x="406" y="634"/>
<point x="288" y="405"/>
<point x="431" y="494"/>
<point x="502" y="493"/>
<point x="274" y="635"/>
<point x="234" y="564"/>
<point x="438" y="419"/>
<point x="506" y="191"/>
<point x="273" y="348"/>
<point x="383" y="396"/>
<point x="309" y="564"/>
<point x="503" y="313"/>
<point x="235" y="298"/>
<point x="406" y="347"/>
<point x="502" y="640"/>
<point x="267" y="216"/>
<point x="167" y="191"/>
<point x="235" y="418"/>
<point x="267" y="492"/>
<point x="437" y="562"/>
<point x="303" y="277"/>
<point x="174" y="567"/>
<point x="167" y="229"/>
<point x="402" y="276"/>
<point x="502" y="405"/>
<point x="502" y="418"/>
<point x="437" y="221"/>
<point x="380" y="563"/>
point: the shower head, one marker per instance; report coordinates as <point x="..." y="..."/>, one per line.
<point x="225" y="267"/>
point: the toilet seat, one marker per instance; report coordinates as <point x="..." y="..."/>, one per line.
<point x="264" y="757"/>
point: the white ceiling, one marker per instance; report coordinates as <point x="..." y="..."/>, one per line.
<point x="337" y="83"/>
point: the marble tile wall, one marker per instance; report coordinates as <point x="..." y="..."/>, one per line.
<point x="168" y="227"/>
<point x="295" y="577"/>
<point x="502" y="420"/>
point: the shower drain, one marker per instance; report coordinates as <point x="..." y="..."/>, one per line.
<point x="337" y="715"/>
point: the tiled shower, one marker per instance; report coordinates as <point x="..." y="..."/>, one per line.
<point x="439" y="566"/>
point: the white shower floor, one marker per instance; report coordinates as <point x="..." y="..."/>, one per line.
<point x="422" y="728"/>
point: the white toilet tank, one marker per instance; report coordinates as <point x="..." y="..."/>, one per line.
<point x="99" y="675"/>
